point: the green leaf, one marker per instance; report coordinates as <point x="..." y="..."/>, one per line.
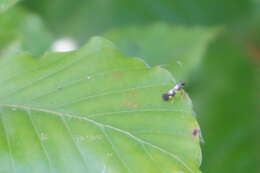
<point x="93" y="110"/>
<point x="87" y="18"/>
<point x="5" y="4"/>
<point x="21" y="30"/>
<point x="225" y="92"/>
<point x="178" y="48"/>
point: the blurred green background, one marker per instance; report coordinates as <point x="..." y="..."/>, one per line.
<point x="221" y="38"/>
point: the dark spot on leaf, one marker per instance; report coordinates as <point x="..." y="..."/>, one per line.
<point x="195" y="132"/>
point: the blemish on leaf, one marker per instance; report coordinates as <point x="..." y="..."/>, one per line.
<point x="195" y="132"/>
<point x="254" y="52"/>
<point x="117" y="75"/>
<point x="133" y="93"/>
<point x="130" y="104"/>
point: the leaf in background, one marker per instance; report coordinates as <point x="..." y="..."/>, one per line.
<point x="86" y="18"/>
<point x="5" y="4"/>
<point x="23" y="31"/>
<point x="226" y="97"/>
<point x="178" y="48"/>
<point x="93" y="111"/>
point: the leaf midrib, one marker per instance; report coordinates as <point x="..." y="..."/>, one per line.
<point x="100" y="125"/>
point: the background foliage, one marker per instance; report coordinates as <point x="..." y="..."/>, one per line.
<point x="223" y="84"/>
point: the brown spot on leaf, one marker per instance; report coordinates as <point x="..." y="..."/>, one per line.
<point x="117" y="75"/>
<point x="254" y="52"/>
<point x="133" y="93"/>
<point x="130" y="104"/>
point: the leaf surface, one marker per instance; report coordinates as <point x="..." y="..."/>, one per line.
<point x="228" y="107"/>
<point x="93" y="110"/>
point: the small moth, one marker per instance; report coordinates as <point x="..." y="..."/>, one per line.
<point x="170" y="94"/>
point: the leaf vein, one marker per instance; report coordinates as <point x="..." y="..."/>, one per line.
<point x="106" y="94"/>
<point x="51" y="73"/>
<point x="103" y="130"/>
<point x="84" y="79"/>
<point x="60" y="114"/>
<point x="28" y="113"/>
<point x="8" y="143"/>
<point x="72" y="139"/>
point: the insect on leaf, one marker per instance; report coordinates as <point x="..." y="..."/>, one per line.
<point x="93" y="110"/>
